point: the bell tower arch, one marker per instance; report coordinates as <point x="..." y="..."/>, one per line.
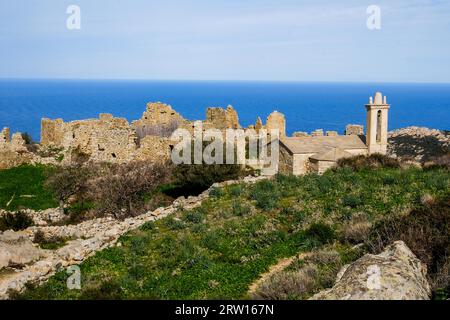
<point x="377" y="124"/>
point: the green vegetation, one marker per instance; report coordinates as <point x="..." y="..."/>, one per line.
<point x="220" y="248"/>
<point x="23" y="187"/>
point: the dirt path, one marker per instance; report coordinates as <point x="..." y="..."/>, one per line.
<point x="279" y="266"/>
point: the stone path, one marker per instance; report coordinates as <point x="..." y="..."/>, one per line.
<point x="279" y="266"/>
<point x="90" y="237"/>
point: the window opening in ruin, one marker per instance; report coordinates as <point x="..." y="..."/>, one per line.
<point x="379" y="126"/>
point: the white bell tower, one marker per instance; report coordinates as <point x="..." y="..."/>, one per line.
<point x="377" y="124"/>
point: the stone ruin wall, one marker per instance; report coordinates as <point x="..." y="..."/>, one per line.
<point x="112" y="139"/>
<point x="107" y="139"/>
<point x="13" y="150"/>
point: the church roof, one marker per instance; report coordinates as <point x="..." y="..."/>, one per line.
<point x="305" y="145"/>
<point x="331" y="154"/>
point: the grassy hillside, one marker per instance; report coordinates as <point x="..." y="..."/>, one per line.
<point x="219" y="249"/>
<point x="23" y="187"/>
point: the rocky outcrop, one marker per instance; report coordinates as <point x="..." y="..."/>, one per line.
<point x="419" y="144"/>
<point x="394" y="274"/>
<point x="87" y="237"/>
<point x="17" y="250"/>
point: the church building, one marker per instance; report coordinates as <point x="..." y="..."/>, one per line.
<point x="318" y="152"/>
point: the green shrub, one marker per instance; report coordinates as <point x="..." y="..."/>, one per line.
<point x="320" y="233"/>
<point x="351" y="201"/>
<point x="105" y="290"/>
<point x="265" y="194"/>
<point x="216" y="192"/>
<point x="15" y="221"/>
<point x="200" y="177"/>
<point x="372" y="161"/>
<point x="195" y="216"/>
<point x="240" y="209"/>
<point x="174" y="224"/>
<point x="236" y="190"/>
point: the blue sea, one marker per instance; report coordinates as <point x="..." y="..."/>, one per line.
<point x="307" y="106"/>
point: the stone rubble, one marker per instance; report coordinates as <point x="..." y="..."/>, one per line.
<point x="88" y="237"/>
<point x="43" y="217"/>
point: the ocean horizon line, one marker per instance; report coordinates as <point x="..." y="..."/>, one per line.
<point x="223" y="81"/>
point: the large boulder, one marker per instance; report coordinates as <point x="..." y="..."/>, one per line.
<point x="16" y="250"/>
<point x="394" y="274"/>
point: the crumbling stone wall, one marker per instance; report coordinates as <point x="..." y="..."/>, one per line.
<point x="222" y="119"/>
<point x="158" y="114"/>
<point x="276" y="120"/>
<point x="111" y="139"/>
<point x="155" y="148"/>
<point x="5" y="138"/>
<point x="13" y="151"/>
<point x="354" y="129"/>
<point x="104" y="139"/>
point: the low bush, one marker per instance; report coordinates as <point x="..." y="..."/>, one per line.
<point x="239" y="209"/>
<point x="15" y="221"/>
<point x="356" y="230"/>
<point x="320" y="233"/>
<point x="438" y="162"/>
<point x="195" y="216"/>
<point x="372" y="161"/>
<point x="121" y="190"/>
<point x="201" y="176"/>
<point x="351" y="201"/>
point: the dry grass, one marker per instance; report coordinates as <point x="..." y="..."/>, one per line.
<point x="304" y="276"/>
<point x="357" y="229"/>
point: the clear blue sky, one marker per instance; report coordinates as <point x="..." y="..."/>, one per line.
<point x="291" y="40"/>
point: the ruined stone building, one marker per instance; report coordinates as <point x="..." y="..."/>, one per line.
<point x="111" y="139"/>
<point x="318" y="152"/>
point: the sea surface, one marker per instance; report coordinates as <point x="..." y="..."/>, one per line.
<point x="307" y="106"/>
